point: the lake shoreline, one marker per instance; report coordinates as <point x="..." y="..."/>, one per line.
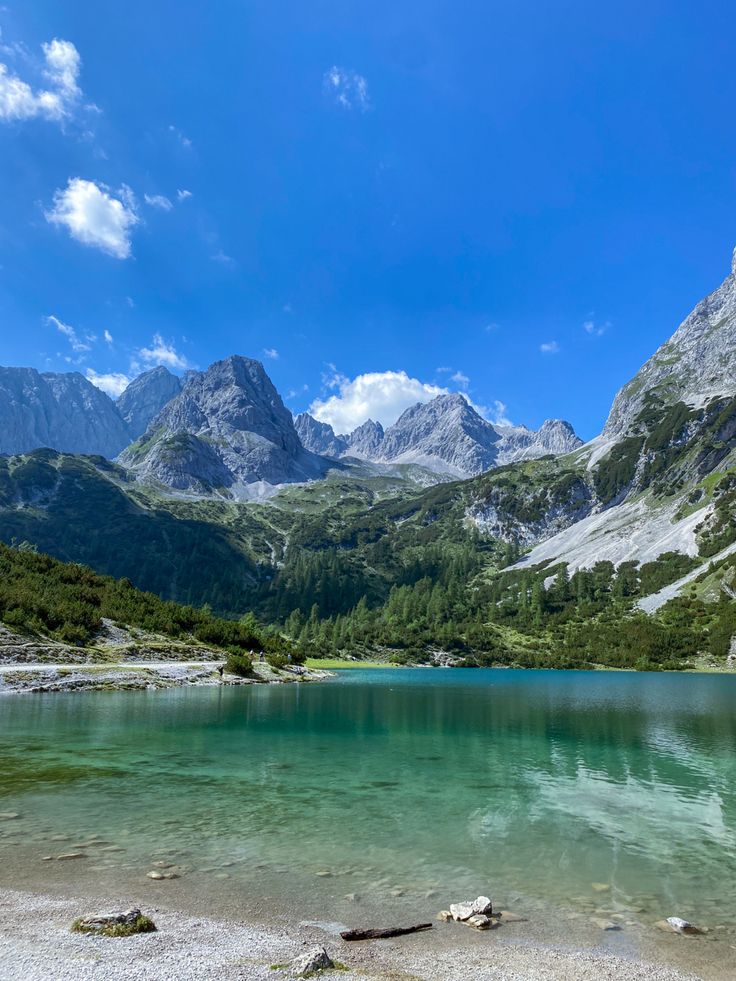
<point x="31" y="678"/>
<point x="36" y="943"/>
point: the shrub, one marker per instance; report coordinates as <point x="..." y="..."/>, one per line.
<point x="240" y="665"/>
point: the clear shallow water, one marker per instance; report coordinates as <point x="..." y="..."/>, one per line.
<point x="407" y="789"/>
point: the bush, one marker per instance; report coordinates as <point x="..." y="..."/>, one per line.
<point x="240" y="665"/>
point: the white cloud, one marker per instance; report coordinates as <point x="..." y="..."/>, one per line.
<point x="70" y="333"/>
<point x="62" y="67"/>
<point x="161" y="352"/>
<point x="460" y="379"/>
<point x="378" y="395"/>
<point x="158" y="201"/>
<point x="271" y="352"/>
<point x="108" y="336"/>
<point x="491" y="327"/>
<point x="113" y="384"/>
<point x="549" y="347"/>
<point x="94" y="217"/>
<point x="595" y="329"/>
<point x="223" y="258"/>
<point x="347" y="88"/>
<point x="182" y="194"/>
<point x="19" y="101"/>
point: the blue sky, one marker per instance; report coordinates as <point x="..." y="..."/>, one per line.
<point x="450" y="190"/>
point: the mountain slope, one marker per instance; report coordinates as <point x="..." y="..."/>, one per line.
<point x="62" y="411"/>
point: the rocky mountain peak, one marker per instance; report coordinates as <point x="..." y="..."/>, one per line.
<point x="366" y="440"/>
<point x="445" y="434"/>
<point x="319" y="437"/>
<point x="696" y="364"/>
<point x="227" y="429"/>
<point x="145" y="396"/>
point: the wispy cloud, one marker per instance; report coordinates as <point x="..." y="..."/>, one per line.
<point x="108" y="337"/>
<point x="160" y="352"/>
<point x="595" y="329"/>
<point x="549" y="347"/>
<point x="181" y="139"/>
<point x="347" y="88"/>
<point x="271" y="352"/>
<point x="159" y="201"/>
<point x="182" y="194"/>
<point x="498" y="414"/>
<point x="456" y="375"/>
<point x="19" y="101"/>
<point x="223" y="258"/>
<point x="94" y="217"/>
<point x="77" y="345"/>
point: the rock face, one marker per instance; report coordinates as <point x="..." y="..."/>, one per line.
<point x="64" y="412"/>
<point x="226" y="431"/>
<point x="695" y="364"/>
<point x="446" y="435"/>
<point x="319" y="437"/>
<point x="366" y="441"/>
<point x="145" y="397"/>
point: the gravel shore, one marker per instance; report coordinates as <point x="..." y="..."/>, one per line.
<point x="37" y="945"/>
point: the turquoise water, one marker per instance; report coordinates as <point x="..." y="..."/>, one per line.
<point x="399" y="790"/>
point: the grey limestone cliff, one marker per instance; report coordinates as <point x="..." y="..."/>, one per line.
<point x="697" y="363"/>
<point x="145" y="397"/>
<point x="319" y="437"/>
<point x="61" y="411"/>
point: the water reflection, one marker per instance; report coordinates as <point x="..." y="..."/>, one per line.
<point x="539" y="782"/>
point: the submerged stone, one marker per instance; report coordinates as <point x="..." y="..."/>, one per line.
<point x="480" y="922"/>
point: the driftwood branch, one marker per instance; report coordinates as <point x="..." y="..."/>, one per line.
<point x="383" y="934"/>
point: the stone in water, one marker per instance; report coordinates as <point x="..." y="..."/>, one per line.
<point x="463" y="911"/>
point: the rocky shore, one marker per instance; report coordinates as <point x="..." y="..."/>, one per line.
<point x="37" y="943"/>
<point x="123" y="660"/>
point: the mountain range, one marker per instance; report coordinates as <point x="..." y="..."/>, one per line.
<point x="445" y="435"/>
<point x="226" y="431"/>
<point x="348" y="530"/>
